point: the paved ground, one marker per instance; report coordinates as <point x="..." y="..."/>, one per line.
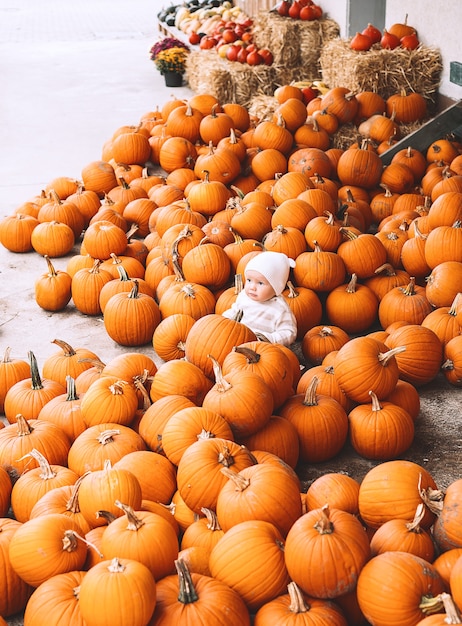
<point x="72" y="73"/>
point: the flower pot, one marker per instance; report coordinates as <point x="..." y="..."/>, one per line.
<point x="173" y="79"/>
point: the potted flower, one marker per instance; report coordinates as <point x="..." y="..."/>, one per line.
<point x="169" y="56"/>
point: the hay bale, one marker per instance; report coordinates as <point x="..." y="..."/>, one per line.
<point x="383" y="71"/>
<point x="262" y="108"/>
<point x="295" y="44"/>
<point x="228" y="81"/>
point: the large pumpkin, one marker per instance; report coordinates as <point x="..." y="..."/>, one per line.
<point x="395" y="587"/>
<point x="143" y="536"/>
<point x="199" y="477"/>
<point x="214" y="335"/>
<point x="45" y="546"/>
<point x="365" y="364"/>
<point x="422" y="358"/>
<point x="394" y="489"/>
<point x="248" y="495"/>
<point x="334" y="538"/>
<point x="250" y="559"/>
<point x="112" y="589"/>
<point x="192" y="598"/>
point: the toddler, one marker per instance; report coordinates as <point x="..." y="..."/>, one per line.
<point x="264" y="310"/>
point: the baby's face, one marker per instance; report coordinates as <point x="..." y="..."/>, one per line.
<point x="257" y="287"/>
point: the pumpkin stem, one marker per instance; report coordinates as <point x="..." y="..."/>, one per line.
<point x="71" y="390"/>
<point x="414" y="526"/>
<point x="384" y="357"/>
<point x="35" y="375"/>
<point x="134" y="522"/>
<point x="387" y="269"/>
<point x="351" y="287"/>
<point x="205" y="434"/>
<point x="72" y="505"/>
<point x="66" y="348"/>
<point x="448" y="365"/>
<point x="297" y="601"/>
<point x="117" y="389"/>
<point x="116" y="567"/>
<point x="70" y="542"/>
<point x="24" y="428"/>
<point x="293" y="293"/>
<point x="187" y="592"/>
<point x="349" y="234"/>
<point x="430" y="605"/>
<point x="324" y="525"/>
<point x="212" y="519"/>
<point x="99" y="365"/>
<point x="251" y="356"/>
<point x="107" y="436"/>
<point x="51" y="269"/>
<point x="139" y="382"/>
<point x="46" y="471"/>
<point x="123" y="275"/>
<point x="310" y="394"/>
<point x="375" y="402"/>
<point x="134" y="292"/>
<point x="7" y="358"/>
<point x="222" y="385"/>
<point x="432" y="498"/>
<point x="240" y="482"/>
<point x="452" y="612"/>
<point x="107" y="515"/>
<point x="225" y="458"/>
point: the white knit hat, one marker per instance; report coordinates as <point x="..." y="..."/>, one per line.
<point x="274" y="266"/>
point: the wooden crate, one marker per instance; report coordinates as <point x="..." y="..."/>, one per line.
<point x="253" y="7"/>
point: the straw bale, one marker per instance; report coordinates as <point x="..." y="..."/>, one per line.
<point x="383" y="71"/>
<point x="263" y="107"/>
<point x="295" y="44"/>
<point x="228" y="81"/>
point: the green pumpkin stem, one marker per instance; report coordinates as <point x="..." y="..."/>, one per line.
<point x="187" y="592"/>
<point x="34" y="370"/>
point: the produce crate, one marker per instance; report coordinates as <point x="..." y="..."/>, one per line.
<point x="253" y="7"/>
<point x="383" y="71"/>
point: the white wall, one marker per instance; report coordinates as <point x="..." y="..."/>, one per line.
<point x="437" y="23"/>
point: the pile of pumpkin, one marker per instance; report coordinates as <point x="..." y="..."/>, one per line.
<point x="207" y="444"/>
<point x="156" y="494"/>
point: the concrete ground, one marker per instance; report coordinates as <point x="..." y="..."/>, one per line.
<point x="71" y="74"/>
